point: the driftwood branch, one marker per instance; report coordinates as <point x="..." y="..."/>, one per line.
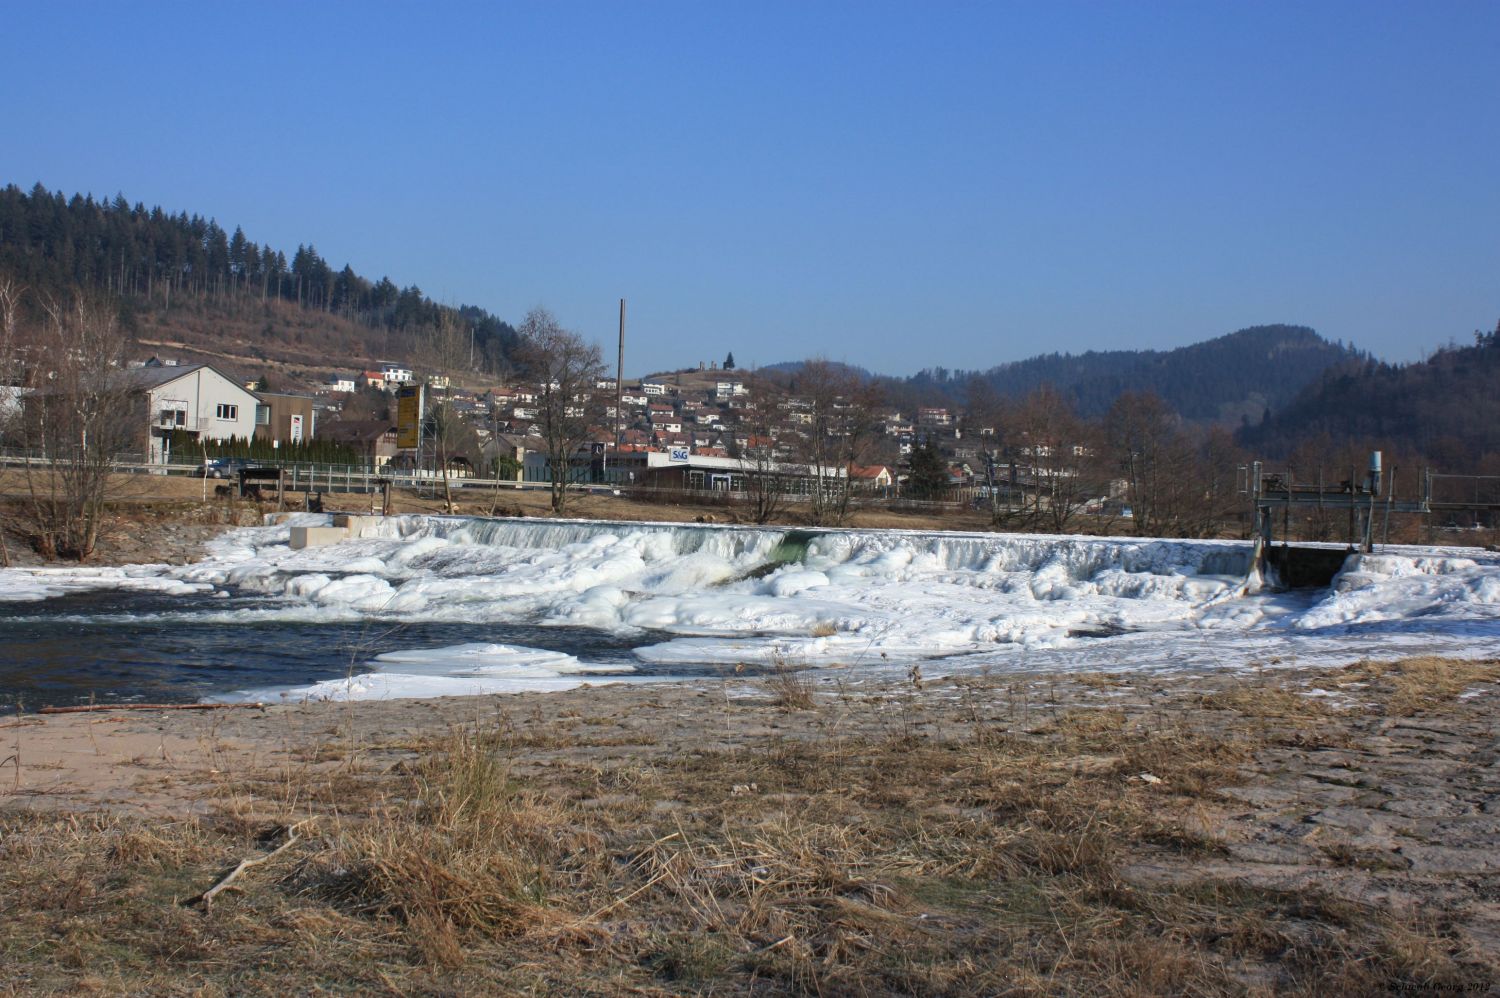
<point x="207" y="897"/>
<point x="94" y="707"/>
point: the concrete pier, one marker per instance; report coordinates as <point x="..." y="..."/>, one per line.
<point x="356" y="523"/>
<point x="313" y="537"/>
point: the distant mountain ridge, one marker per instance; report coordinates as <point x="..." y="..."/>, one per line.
<point x="1228" y="379"/>
<point x="1224" y="379"/>
<point x="1446" y="408"/>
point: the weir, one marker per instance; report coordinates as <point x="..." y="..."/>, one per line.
<point x="763" y="549"/>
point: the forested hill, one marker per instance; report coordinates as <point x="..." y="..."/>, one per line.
<point x="1445" y="408"/>
<point x="1230" y="378"/>
<point x="160" y="263"/>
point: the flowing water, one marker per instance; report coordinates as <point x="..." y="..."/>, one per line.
<point x="129" y="647"/>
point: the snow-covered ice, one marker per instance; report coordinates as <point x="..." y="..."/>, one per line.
<point x="32" y="585"/>
<point x="861" y="600"/>
<point x="462" y="670"/>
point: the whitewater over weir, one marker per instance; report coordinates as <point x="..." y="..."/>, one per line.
<point x="696" y="599"/>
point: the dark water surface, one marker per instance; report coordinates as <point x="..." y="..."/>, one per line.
<point x="113" y="647"/>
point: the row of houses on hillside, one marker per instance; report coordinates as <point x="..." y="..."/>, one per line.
<point x="385" y="376"/>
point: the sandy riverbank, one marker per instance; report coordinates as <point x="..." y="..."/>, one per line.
<point x="1302" y="832"/>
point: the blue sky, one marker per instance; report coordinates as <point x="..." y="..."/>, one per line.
<point x="894" y="185"/>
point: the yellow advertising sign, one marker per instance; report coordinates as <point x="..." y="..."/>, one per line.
<point x="409" y="416"/>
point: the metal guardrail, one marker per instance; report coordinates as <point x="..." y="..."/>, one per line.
<point x="1366" y="497"/>
<point x="300" y="476"/>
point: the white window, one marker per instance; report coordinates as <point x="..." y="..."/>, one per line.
<point x="226" y="411"/>
<point x="262" y="415"/>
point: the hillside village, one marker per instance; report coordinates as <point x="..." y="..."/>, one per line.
<point x="708" y="417"/>
<point x="816" y="436"/>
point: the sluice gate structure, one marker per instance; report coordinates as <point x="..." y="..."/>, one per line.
<point x="1369" y="501"/>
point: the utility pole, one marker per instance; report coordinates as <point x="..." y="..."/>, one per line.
<point x="620" y="378"/>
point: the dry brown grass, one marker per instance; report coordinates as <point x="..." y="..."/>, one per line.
<point x="1264" y="700"/>
<point x="790" y="687"/>
<point x="1414" y="686"/>
<point x="971" y="856"/>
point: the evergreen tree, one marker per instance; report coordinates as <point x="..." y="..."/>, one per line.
<point x="57" y="244"/>
<point x="237" y="249"/>
<point x="927" y="474"/>
<point x="729" y="361"/>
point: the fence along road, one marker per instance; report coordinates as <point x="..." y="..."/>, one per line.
<point x="309" y="477"/>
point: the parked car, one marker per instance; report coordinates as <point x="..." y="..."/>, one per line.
<point x="223" y="467"/>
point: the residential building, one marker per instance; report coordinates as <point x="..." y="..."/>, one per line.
<point x="200" y="401"/>
<point x="373" y="438"/>
<point x="285" y="419"/>
<point x="871" y="477"/>
<point x="154" y="361"/>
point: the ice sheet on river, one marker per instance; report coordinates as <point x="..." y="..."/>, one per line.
<point x="462" y="670"/>
<point x="856" y="599"/>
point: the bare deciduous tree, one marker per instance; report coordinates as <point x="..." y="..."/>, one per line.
<point x="983" y="422"/>
<point x="842" y="428"/>
<point x="82" y="413"/>
<point x="564" y="368"/>
<point x="448" y="343"/>
<point x="766" y="481"/>
<point x="1214" y="499"/>
<point x="1143" y="445"/>
<point x="452" y="438"/>
<point x="1059" y="450"/>
<point x="10" y="380"/>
